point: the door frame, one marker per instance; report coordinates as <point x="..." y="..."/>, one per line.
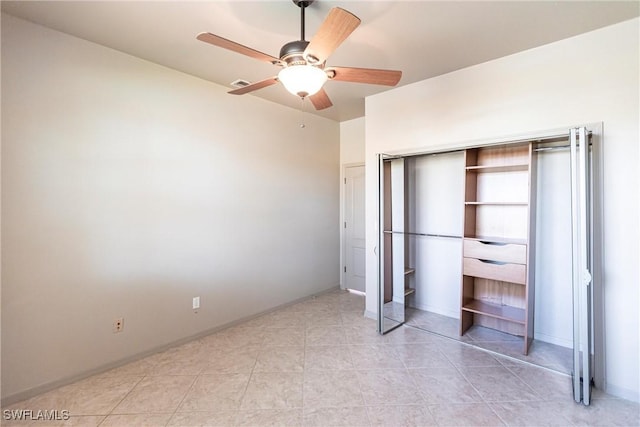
<point x="343" y="208"/>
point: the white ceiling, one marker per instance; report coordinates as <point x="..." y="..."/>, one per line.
<point x="422" y="38"/>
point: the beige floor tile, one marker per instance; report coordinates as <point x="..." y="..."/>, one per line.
<point x="357" y="319"/>
<point x="498" y="384"/>
<point x="327" y="358"/>
<point x="323" y="318"/>
<point x="273" y="390"/>
<point x="465" y="414"/>
<point x="239" y="336"/>
<point x="336" y="417"/>
<point x="388" y="387"/>
<point x="462" y="355"/>
<point x="325" y="335"/>
<point x="285" y="319"/>
<point x="280" y="359"/>
<point x="93" y="396"/>
<point x="232" y="361"/>
<point x="547" y="385"/>
<point x="79" y="421"/>
<point x="284" y="336"/>
<point x="602" y="412"/>
<point x="352" y="303"/>
<point x="443" y="385"/>
<point x="132" y="420"/>
<point x="406" y="335"/>
<point x="156" y="395"/>
<point x="215" y="391"/>
<point x="374" y="356"/>
<point x="332" y="389"/>
<point x="421" y="356"/>
<point x="180" y="363"/>
<point x="400" y="416"/>
<point x="216" y="418"/>
<point x="83" y="421"/>
<point x="242" y="376"/>
<point x="270" y="417"/>
<point x="531" y="413"/>
<point x="323" y="303"/>
<point x="363" y="335"/>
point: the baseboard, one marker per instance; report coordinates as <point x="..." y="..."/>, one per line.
<point x="437" y="310"/>
<point x="622" y="392"/>
<point x="35" y="391"/>
<point x="371" y="315"/>
<point x="553" y="340"/>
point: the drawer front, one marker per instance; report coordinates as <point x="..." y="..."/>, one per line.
<point x="494" y="270"/>
<point x="505" y="252"/>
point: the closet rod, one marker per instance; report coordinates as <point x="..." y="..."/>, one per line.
<point x="449" y="236"/>
<point x="555" y="147"/>
<point x="559" y="147"/>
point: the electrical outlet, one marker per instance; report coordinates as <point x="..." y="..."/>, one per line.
<point x="196" y="303"/>
<point x="118" y="325"/>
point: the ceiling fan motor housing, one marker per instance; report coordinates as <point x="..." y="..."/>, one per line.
<point x="292" y="53"/>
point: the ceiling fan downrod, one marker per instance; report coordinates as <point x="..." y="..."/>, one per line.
<point x="302" y="4"/>
<point x="292" y="53"/>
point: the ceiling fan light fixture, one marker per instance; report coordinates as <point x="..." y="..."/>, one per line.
<point x="302" y="80"/>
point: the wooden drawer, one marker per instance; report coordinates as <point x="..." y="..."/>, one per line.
<point x="495" y="270"/>
<point x="504" y="252"/>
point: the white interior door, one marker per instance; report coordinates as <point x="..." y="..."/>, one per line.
<point x="354" y="268"/>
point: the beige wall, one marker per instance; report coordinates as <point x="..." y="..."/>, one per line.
<point x="129" y="188"/>
<point x="585" y="79"/>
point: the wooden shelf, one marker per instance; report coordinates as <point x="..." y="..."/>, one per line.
<point x="499" y="168"/>
<point x="495" y="239"/>
<point x="408" y="271"/>
<point x="408" y="291"/>
<point x="503" y="312"/>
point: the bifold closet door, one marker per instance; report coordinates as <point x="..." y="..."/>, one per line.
<point x="581" y="197"/>
<point x="391" y="246"/>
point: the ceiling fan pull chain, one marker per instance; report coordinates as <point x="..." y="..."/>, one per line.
<point x="302" y="115"/>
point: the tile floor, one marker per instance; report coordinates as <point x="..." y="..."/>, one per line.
<point x="321" y="363"/>
<point x="541" y="353"/>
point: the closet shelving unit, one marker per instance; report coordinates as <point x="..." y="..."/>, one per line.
<point x="497" y="285"/>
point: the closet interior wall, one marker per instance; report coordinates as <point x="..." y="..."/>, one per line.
<point x="435" y="189"/>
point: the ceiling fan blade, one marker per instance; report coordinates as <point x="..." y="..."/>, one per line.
<point x="255" y="86"/>
<point x="321" y="100"/>
<point x="365" y="75"/>
<point x="334" y="30"/>
<point x="236" y="47"/>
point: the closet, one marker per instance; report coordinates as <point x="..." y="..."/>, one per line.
<point x="493" y="244"/>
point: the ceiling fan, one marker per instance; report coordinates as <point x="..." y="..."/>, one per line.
<point x="304" y="71"/>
